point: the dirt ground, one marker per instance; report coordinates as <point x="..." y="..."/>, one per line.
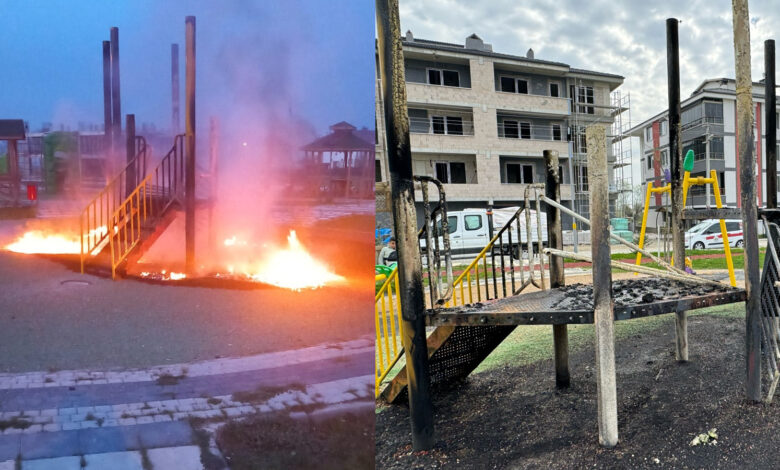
<point x="513" y="417"/>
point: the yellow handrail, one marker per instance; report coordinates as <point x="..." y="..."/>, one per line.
<point x="133" y="212"/>
<point x="388" y="344"/>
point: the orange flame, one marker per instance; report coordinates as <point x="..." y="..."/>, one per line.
<point x="44" y="242"/>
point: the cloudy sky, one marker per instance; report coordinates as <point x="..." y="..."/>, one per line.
<point x="627" y="38"/>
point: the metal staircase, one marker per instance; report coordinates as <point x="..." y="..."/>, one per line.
<point x="123" y="224"/>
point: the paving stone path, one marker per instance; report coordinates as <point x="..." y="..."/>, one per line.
<point x="121" y="419"/>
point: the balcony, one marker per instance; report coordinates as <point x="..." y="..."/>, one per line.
<point x="441" y="125"/>
<point x="526" y="103"/>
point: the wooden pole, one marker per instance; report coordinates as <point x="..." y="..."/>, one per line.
<point x="675" y="158"/>
<point x="552" y="189"/>
<point x="410" y="288"/>
<point x="130" y="181"/>
<point x="175" y="93"/>
<point x="770" y="110"/>
<point x="116" y="106"/>
<point x="596" y="137"/>
<point x="189" y="170"/>
<point x="108" y="127"/>
<point x="748" y="193"/>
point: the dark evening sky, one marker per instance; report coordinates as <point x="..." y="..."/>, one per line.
<point x="258" y="61"/>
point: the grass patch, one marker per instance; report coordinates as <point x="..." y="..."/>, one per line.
<point x="278" y="441"/>
<point x="213" y="401"/>
<point x="266" y="392"/>
<point x="170" y="379"/>
<point x="533" y="343"/>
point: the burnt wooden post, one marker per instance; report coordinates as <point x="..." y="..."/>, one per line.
<point x="596" y="138"/>
<point x="770" y="110"/>
<point x="552" y="190"/>
<point x="175" y="89"/>
<point x="399" y="157"/>
<point x="130" y="181"/>
<point x="747" y="181"/>
<point x="675" y="158"/>
<point x="213" y="146"/>
<point x="107" y="122"/>
<point x="13" y="169"/>
<point x="116" y="107"/>
<point x="189" y="167"/>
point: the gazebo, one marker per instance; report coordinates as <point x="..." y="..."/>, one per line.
<point x="344" y="159"/>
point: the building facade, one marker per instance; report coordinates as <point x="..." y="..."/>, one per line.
<point x="480" y="120"/>
<point x="708" y="127"/>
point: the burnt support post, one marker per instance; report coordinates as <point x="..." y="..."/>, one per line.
<point x="552" y="190"/>
<point x="399" y="157"/>
<point x="189" y="166"/>
<point x="675" y="158"/>
<point x="175" y="89"/>
<point x="747" y="181"/>
<point x="116" y="107"/>
<point x="107" y="122"/>
<point x="770" y="110"/>
<point x="130" y="180"/>
<point x="604" y="318"/>
<point x="13" y="169"/>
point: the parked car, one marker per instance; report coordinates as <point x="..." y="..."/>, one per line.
<point x="707" y="234"/>
<point x="469" y="231"/>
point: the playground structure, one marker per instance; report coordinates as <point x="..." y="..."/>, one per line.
<point x="466" y="334"/>
<point x="12" y="177"/>
<point x="131" y="212"/>
<point x="687" y="183"/>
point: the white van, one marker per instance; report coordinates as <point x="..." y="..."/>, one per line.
<point x="707" y="234"/>
<point x="469" y="230"/>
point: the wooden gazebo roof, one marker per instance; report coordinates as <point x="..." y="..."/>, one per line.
<point x="342" y="138"/>
<point x="12" y="129"/>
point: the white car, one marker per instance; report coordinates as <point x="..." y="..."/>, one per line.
<point x="707" y="234"/>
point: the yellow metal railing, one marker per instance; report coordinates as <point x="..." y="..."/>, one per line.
<point x="388" y="328"/>
<point x="94" y="219"/>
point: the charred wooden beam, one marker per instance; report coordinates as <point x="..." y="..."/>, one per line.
<point x="189" y="167"/>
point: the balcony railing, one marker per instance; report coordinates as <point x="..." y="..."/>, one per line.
<point x="532" y="132"/>
<point x="450" y="125"/>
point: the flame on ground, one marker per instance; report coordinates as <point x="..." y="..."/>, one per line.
<point x="55" y="243"/>
<point x="293" y="268"/>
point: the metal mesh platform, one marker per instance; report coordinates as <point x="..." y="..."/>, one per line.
<point x="634" y="298"/>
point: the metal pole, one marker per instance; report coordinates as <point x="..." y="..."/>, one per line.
<point x="748" y="193"/>
<point x="107" y="122"/>
<point x="675" y="159"/>
<point x="189" y="171"/>
<point x="770" y="109"/>
<point x="399" y="157"/>
<point x="602" y="285"/>
<point x="130" y="182"/>
<point x="175" y="93"/>
<point x="552" y="190"/>
<point x="116" y="104"/>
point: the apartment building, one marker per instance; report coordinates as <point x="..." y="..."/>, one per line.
<point x="708" y="128"/>
<point x="480" y="120"/>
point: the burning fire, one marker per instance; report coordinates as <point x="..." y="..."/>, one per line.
<point x="40" y="241"/>
<point x="293" y="268"/>
<point x="37" y="241"/>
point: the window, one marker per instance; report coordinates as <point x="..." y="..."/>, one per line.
<point x="582" y="94"/>
<point x="450" y="172"/>
<point x="508" y="84"/>
<point x="556" y="132"/>
<point x="664" y="127"/>
<point x="555" y="90"/>
<point x="714" y="228"/>
<point x="581" y="175"/>
<point x="451" y="77"/>
<point x="649" y="134"/>
<point x="452" y="125"/>
<point x="650" y="162"/>
<point x="377" y="171"/>
<point x="472" y="222"/>
<point x="518" y="173"/>
<point x="443" y="77"/>
<point x="511" y="129"/>
<point x="560" y="174"/>
<point x="513" y="85"/>
<point x="525" y="130"/>
<point x="452" y="224"/>
<point x="733" y="227"/>
<point x="665" y="158"/>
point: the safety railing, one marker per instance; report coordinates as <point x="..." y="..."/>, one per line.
<point x="146" y="203"/>
<point x="94" y="220"/>
<point x="388" y="328"/>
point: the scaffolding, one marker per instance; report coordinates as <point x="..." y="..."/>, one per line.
<point x="617" y="117"/>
